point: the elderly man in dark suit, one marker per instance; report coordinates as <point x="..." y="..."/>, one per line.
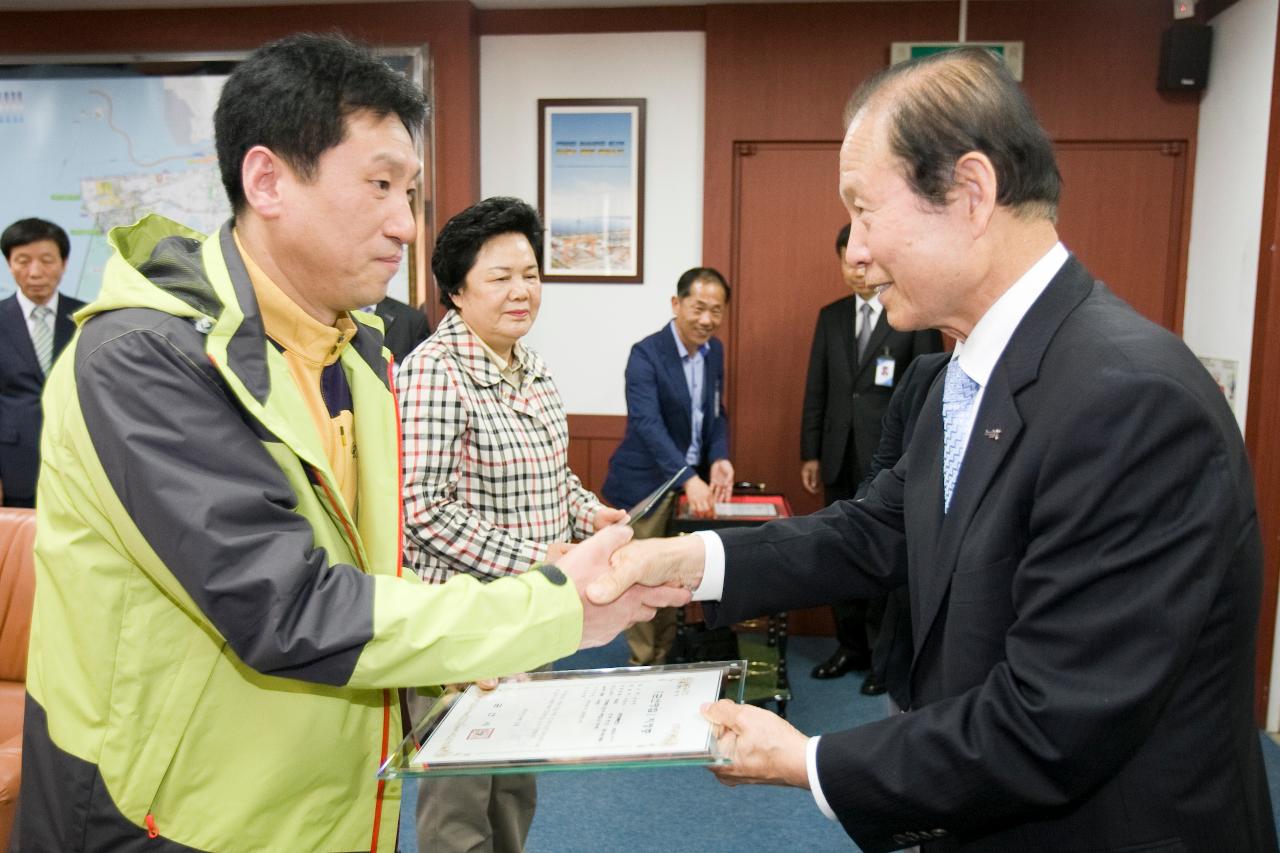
<point x="35" y="325"/>
<point x="1075" y="515"/>
<point x="856" y="361"/>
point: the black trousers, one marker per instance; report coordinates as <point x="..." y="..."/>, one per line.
<point x="857" y="620"/>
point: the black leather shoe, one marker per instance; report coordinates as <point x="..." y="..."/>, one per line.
<point x="872" y="686"/>
<point x="842" y="661"/>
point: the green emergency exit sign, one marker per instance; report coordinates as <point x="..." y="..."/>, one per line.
<point x="1010" y="51"/>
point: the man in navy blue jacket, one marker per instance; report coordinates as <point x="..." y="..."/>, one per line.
<point x="35" y="326"/>
<point x="675" y="417"/>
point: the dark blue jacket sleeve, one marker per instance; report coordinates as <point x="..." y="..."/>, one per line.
<point x="645" y="413"/>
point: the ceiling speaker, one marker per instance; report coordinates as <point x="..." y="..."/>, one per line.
<point x="1184" y="57"/>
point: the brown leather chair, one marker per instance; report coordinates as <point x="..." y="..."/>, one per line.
<point x="17" y="587"/>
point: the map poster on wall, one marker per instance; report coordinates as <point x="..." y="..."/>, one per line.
<point x="92" y="153"/>
<point x="591" y="189"/>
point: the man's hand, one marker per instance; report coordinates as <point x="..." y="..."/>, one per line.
<point x="702" y="502"/>
<point x="557" y="550"/>
<point x="722" y="480"/>
<point x="607" y="515"/>
<point x="809" y="470"/>
<point x="765" y="749"/>
<point x="675" y="562"/>
<point x="588" y="562"/>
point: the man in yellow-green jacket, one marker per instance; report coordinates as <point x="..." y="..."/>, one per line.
<point x="221" y="619"/>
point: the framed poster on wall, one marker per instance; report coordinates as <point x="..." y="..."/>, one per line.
<point x="591" y="189"/>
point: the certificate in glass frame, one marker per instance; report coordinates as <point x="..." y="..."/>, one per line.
<point x="589" y="719"/>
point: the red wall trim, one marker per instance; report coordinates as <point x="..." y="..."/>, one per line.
<point x="635" y="19"/>
<point x="1262" y="422"/>
<point x="592" y="440"/>
<point x="597" y="426"/>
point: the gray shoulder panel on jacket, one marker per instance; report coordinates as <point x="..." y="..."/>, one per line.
<point x="175" y="266"/>
<point x="247" y="349"/>
<point x="189" y="468"/>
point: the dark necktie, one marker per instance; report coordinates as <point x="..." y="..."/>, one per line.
<point x="864" y="333"/>
<point x="42" y="336"/>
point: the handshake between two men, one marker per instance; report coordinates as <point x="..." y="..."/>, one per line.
<point x="621" y="582"/>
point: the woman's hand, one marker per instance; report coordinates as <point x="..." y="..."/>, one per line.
<point x="607" y="515"/>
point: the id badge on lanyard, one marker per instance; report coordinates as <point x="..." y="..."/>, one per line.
<point x="884" y="369"/>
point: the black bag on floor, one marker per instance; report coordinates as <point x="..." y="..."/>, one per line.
<point x="696" y="642"/>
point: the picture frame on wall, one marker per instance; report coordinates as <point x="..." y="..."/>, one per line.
<point x="591" y="189"/>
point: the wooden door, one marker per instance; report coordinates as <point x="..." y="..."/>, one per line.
<point x="1123" y="214"/>
<point x="785" y="268"/>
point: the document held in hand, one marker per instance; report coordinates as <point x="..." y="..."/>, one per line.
<point x="654" y="498"/>
<point x="637" y="716"/>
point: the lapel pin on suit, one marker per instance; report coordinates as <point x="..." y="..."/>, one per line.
<point x="993" y="434"/>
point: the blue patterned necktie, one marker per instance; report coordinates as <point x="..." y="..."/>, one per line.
<point x="958" y="394"/>
<point x="42" y="336"/>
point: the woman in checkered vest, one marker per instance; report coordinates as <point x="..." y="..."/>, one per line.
<point x="487" y="485"/>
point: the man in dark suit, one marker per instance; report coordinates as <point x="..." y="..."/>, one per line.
<point x="35" y="325"/>
<point x="854" y="365"/>
<point x="1075" y="514"/>
<point x="892" y="652"/>
<point x="404" y="327"/>
<point x="675" y="418"/>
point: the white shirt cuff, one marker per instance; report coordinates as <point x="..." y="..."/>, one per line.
<point x="712" y="586"/>
<point x="811" y="766"/>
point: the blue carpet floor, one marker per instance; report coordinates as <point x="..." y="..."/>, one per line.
<point x="686" y="809"/>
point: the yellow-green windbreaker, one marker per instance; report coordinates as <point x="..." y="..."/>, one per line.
<point x="216" y="638"/>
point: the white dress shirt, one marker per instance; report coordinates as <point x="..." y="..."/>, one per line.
<point x="978" y="356"/>
<point x="694" y="365"/>
<point x="979" y="352"/>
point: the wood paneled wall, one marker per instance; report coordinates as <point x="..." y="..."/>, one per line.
<point x="784" y="72"/>
<point x="592" y="440"/>
<point x="1262" y="423"/>
<point x="614" y="19"/>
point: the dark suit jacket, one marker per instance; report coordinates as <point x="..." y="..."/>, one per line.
<point x="20" y="385"/>
<point x="841" y="398"/>
<point x="892" y="654"/>
<point x="1084" y="616"/>
<point x="660" y="419"/>
<point x="405" y="327"/>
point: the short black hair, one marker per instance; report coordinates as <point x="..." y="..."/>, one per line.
<point x="462" y="236"/>
<point x="945" y="105"/>
<point x="842" y="239"/>
<point x="685" y="285"/>
<point x="294" y="96"/>
<point x="33" y="230"/>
